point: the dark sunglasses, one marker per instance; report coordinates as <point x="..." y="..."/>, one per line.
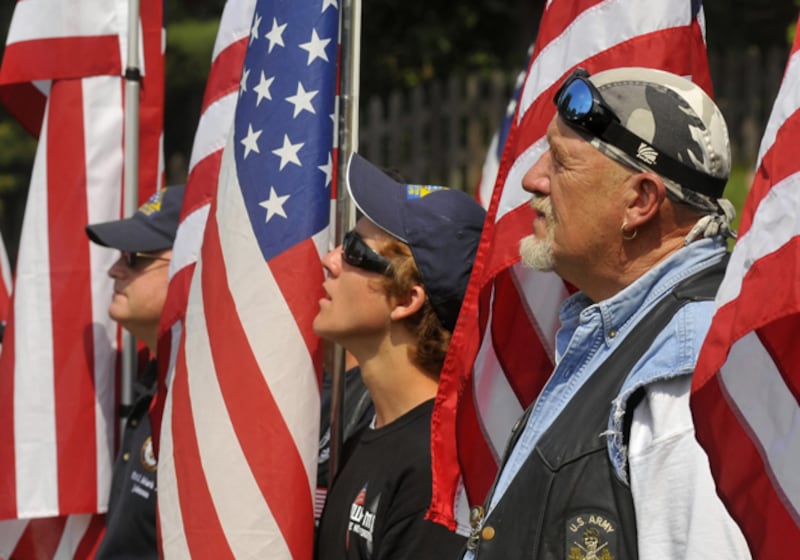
<point x="357" y="253"/>
<point x="136" y="260"/>
<point x="580" y="105"/>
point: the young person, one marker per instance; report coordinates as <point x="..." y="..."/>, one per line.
<point x="393" y="293"/>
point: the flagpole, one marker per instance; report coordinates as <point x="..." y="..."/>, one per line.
<point x="131" y="183"/>
<point x="345" y="210"/>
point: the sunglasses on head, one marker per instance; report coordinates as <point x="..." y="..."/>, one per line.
<point x="580" y="105"/>
<point x="356" y="252"/>
<point x="137" y="260"/>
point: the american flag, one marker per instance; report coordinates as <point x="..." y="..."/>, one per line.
<point x="61" y="77"/>
<point x="501" y="352"/>
<point x="240" y="428"/>
<point x="216" y="121"/>
<point x="491" y="165"/>
<point x="746" y="387"/>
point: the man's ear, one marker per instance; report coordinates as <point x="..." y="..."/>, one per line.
<point x="413" y="302"/>
<point x="649" y="193"/>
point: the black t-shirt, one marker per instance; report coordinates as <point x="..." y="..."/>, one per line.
<point x="376" y="507"/>
<point x="131" y="518"/>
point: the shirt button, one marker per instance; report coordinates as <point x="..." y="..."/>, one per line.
<point x="134" y="423"/>
<point x="487" y="533"/>
<point x="612" y="333"/>
<point x="126" y="456"/>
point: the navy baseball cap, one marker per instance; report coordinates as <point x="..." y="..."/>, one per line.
<point x="151" y="228"/>
<point x="442" y="228"/>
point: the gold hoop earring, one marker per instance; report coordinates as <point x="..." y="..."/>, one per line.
<point x="628" y="236"/>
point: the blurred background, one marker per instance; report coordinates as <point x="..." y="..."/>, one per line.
<point x="436" y="77"/>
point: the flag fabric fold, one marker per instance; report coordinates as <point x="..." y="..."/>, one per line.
<point x="746" y="388"/>
<point x="61" y="76"/>
<point x="240" y="425"/>
<point x="502" y="349"/>
<point x="214" y="126"/>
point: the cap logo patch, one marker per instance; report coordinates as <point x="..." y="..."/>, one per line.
<point x="646" y="153"/>
<point x="421" y="191"/>
<point x="153" y="204"/>
<point x="591" y="536"/>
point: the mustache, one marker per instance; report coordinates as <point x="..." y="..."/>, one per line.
<point x="543" y="206"/>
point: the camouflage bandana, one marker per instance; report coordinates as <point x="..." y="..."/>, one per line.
<point x="678" y="118"/>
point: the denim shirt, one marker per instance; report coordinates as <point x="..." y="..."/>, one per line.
<point x="590" y="332"/>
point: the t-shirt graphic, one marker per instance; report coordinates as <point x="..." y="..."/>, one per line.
<point x="362" y="518"/>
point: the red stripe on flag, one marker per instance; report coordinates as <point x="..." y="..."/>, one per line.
<point x="561" y="15"/>
<point x="40" y="539"/>
<point x="746" y="473"/>
<point x="200" y="520"/>
<point x="91" y="539"/>
<point x="302" y="291"/>
<point x="517" y="344"/>
<point x="26" y="103"/>
<point x="478" y="462"/>
<point x="8" y="455"/>
<point x="61" y="58"/>
<point x="247" y="397"/>
<point x="73" y="343"/>
<point x="151" y="100"/>
<point x="778" y="163"/>
<point x="226" y="68"/>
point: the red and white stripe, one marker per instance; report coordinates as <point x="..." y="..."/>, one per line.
<point x="243" y="387"/>
<point x="216" y="120"/>
<point x="502" y="348"/>
<point x="71" y="536"/>
<point x="746" y="388"/>
<point x="239" y="436"/>
<point x="57" y="369"/>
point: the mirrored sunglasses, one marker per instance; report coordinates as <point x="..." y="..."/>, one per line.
<point x="580" y="104"/>
<point x="356" y="252"/>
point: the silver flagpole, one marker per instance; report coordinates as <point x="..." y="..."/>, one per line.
<point x="131" y="183"/>
<point x="345" y="210"/>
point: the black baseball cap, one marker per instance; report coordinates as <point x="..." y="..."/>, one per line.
<point x="442" y="227"/>
<point x="151" y="228"/>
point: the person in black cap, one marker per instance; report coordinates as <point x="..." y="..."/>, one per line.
<point x="140" y="288"/>
<point x="393" y="293"/>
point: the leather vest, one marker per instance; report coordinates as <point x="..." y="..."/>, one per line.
<point x="566" y="501"/>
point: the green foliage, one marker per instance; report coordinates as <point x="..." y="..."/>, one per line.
<point x="190" y="44"/>
<point x="736" y="190"/>
<point x="410" y="43"/>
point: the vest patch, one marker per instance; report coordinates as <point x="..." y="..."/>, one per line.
<point x="591" y="536"/>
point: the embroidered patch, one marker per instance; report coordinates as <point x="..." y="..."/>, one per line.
<point x="591" y="536"/>
<point x="153" y="204"/>
<point x="420" y="191"/>
<point x="147" y="456"/>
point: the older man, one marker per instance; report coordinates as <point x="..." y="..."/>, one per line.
<point x="629" y="210"/>
<point x="140" y="288"/>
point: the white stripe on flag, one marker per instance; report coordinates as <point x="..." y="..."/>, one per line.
<point x="631" y="19"/>
<point x="775" y="427"/>
<point x="103" y="194"/>
<point x="771" y="229"/>
<point x="294" y="384"/>
<point x="81" y="18"/>
<point x="34" y="397"/>
<point x="785" y="105"/>
<point x="215" y="122"/>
